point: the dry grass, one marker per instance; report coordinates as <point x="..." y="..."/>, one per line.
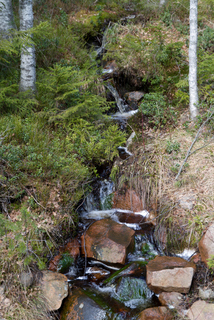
<point x="151" y="173"/>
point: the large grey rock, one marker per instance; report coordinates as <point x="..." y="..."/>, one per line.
<point x="108" y="241"/>
<point x="201" y="310"/>
<point x="169" y="274"/>
<point x="206" y="244"/>
<point x="54" y="287"/>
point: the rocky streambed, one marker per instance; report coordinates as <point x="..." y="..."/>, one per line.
<point x="112" y="271"/>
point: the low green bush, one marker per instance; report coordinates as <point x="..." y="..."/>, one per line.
<point x="158" y="111"/>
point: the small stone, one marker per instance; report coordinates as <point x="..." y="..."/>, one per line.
<point x="206" y="294"/>
<point x="187" y="205"/>
<point x="26" y="279"/>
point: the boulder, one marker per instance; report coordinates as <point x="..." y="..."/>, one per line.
<point x="128" y="201"/>
<point x="54" y="287"/>
<point x="133" y="98"/>
<point x="201" y="310"/>
<point x="157" y="313"/>
<point x="108" y="241"/>
<point x="78" y="306"/>
<point x="206" y="244"/>
<point x="169" y="274"/>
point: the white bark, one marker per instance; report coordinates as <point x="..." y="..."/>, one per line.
<point x="28" y="59"/>
<point x="6" y="16"/>
<point x="193" y="87"/>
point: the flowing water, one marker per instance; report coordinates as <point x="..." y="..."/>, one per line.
<point x="121" y="292"/>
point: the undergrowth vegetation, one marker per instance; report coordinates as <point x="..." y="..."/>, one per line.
<point x="53" y="143"/>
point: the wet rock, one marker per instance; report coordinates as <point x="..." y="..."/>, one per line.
<point x="137" y="268"/>
<point x="201" y="310"/>
<point x="108" y="241"/>
<point x="157" y="313"/>
<point x="128" y="201"/>
<point x="109" y="69"/>
<point x="26" y="279"/>
<point x="133" y="98"/>
<point x="133" y="292"/>
<point x="53" y="265"/>
<point x="54" y="287"/>
<point x="173" y="300"/>
<point x="206" y="244"/>
<point x="72" y="248"/>
<point x="97" y="274"/>
<point x="169" y="274"/>
<point x="78" y="306"/>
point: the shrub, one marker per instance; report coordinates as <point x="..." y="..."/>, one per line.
<point x="155" y="107"/>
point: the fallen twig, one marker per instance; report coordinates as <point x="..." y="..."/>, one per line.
<point x="194" y="141"/>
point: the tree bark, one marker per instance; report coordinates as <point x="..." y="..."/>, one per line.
<point x="193" y="87"/>
<point x="6" y="17"/>
<point x="28" y="59"/>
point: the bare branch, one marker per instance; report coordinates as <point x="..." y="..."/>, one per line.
<point x="194" y="141"/>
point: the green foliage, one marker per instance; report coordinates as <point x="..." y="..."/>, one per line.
<point x="96" y="144"/>
<point x="157" y="62"/>
<point x="155" y="107"/>
<point x="172" y="146"/>
<point x="31" y="150"/>
<point x="210" y="263"/>
<point x="65" y="262"/>
<point x="27" y="244"/>
<point x="66" y="94"/>
<point x="166" y="18"/>
<point x="145" y="248"/>
<point x="206" y="39"/>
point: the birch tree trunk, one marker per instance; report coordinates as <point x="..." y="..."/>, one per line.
<point x="193" y="87"/>
<point x="6" y="17"/>
<point x="28" y="59"/>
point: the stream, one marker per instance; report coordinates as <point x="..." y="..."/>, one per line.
<point x="117" y="291"/>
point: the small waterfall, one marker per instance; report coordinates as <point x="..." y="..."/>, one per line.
<point x="100" y="198"/>
<point x="106" y="191"/>
<point x="101" y="49"/>
<point x="120" y="103"/>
